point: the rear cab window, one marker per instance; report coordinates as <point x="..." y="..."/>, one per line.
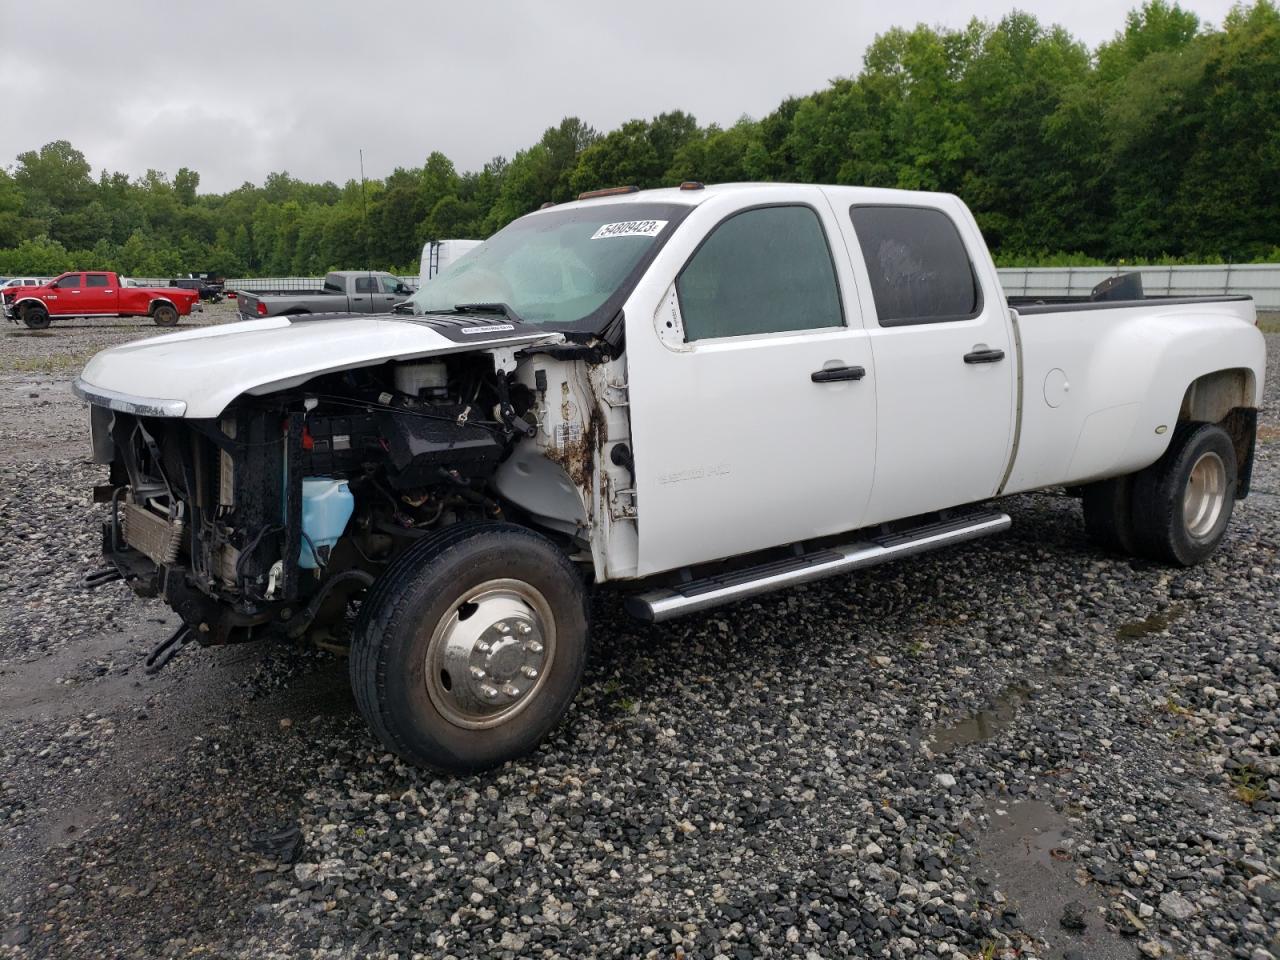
<point x="761" y="270"/>
<point x="918" y="265"/>
<point x="96" y="280"/>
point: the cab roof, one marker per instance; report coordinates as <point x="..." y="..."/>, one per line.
<point x="695" y="196"/>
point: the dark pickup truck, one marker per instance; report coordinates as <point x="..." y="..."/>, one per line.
<point x="345" y="291"/>
<point x="209" y="290"/>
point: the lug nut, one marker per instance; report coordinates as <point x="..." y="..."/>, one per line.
<point x="489" y="692"/>
<point x="524" y="628"/>
<point x="511" y="690"/>
<point x="533" y="646"/>
<point x="477" y="673"/>
<point x="529" y="672"/>
<point x="483" y="646"/>
<point x="501" y="627"/>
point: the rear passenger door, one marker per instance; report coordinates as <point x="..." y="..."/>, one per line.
<point x="944" y="359"/>
<point x="98" y="295"/>
<point x="364" y="293"/>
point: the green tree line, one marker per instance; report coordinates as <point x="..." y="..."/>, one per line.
<point x="1163" y="143"/>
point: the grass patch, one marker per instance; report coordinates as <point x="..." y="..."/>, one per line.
<point x="58" y="364"/>
<point x="1269" y="322"/>
<point x="1248" y="786"/>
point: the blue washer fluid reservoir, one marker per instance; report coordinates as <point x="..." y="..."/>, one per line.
<point x="326" y="507"/>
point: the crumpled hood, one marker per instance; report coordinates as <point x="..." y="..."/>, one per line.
<point x="197" y="373"/>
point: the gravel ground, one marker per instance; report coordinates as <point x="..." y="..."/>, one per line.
<point x="1020" y="748"/>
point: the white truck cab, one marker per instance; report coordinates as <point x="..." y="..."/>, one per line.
<point x="699" y="393"/>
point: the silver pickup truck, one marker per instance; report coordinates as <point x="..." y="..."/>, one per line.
<point x="344" y="291"/>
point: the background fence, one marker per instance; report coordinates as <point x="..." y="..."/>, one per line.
<point x="260" y="284"/>
<point x="1258" y="280"/>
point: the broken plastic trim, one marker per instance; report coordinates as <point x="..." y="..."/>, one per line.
<point x="127" y="402"/>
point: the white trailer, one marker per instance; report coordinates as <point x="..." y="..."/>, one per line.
<point x="438" y="254"/>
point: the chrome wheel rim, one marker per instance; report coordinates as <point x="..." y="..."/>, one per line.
<point x="1204" y="496"/>
<point x="489" y="655"/>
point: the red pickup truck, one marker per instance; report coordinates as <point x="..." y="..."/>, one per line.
<point x="97" y="294"/>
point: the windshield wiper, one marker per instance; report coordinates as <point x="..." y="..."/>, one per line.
<point x="503" y="309"/>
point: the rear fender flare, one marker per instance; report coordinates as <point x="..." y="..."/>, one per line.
<point x="1189" y="373"/>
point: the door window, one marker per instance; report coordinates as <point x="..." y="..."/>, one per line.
<point x="72" y="280"/>
<point x="96" y="280"/>
<point x="765" y="270"/>
<point x="919" y="268"/>
<point x="390" y="285"/>
<point x="366" y="285"/>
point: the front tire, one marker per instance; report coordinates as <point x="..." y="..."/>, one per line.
<point x="164" y="315"/>
<point x="1182" y="502"/>
<point x="35" y="317"/>
<point x="471" y="647"/>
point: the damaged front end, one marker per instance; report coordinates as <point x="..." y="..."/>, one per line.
<point x="279" y="511"/>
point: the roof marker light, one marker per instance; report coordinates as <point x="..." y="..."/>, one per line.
<point x="607" y="192"/>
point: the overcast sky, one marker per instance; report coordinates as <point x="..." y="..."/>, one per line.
<point x="236" y="90"/>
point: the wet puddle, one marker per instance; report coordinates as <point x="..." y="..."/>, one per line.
<point x="1003" y="708"/>
<point x="981" y="726"/>
<point x="1028" y="855"/>
<point x="1158" y="622"/>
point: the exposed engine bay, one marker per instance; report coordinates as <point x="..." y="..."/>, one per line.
<point x="286" y="506"/>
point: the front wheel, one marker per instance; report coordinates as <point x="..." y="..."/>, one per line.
<point x="470" y="648"/>
<point x="164" y="315"/>
<point x="35" y="317"/>
<point x="1182" y="502"/>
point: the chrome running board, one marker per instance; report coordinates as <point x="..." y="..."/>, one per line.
<point x="664" y="603"/>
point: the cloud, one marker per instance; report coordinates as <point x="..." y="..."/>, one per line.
<point x="237" y="90"/>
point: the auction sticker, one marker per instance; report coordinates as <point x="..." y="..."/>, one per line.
<point x="630" y="228"/>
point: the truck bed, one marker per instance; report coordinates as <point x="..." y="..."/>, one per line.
<point x="1033" y="305"/>
<point x="1098" y="376"/>
<point x="268" y="294"/>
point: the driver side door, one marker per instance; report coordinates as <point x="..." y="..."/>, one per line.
<point x="391" y="290"/>
<point x="753" y="410"/>
<point x="64" y="299"/>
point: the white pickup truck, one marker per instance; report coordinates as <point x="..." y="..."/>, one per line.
<point x="698" y="394"/>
